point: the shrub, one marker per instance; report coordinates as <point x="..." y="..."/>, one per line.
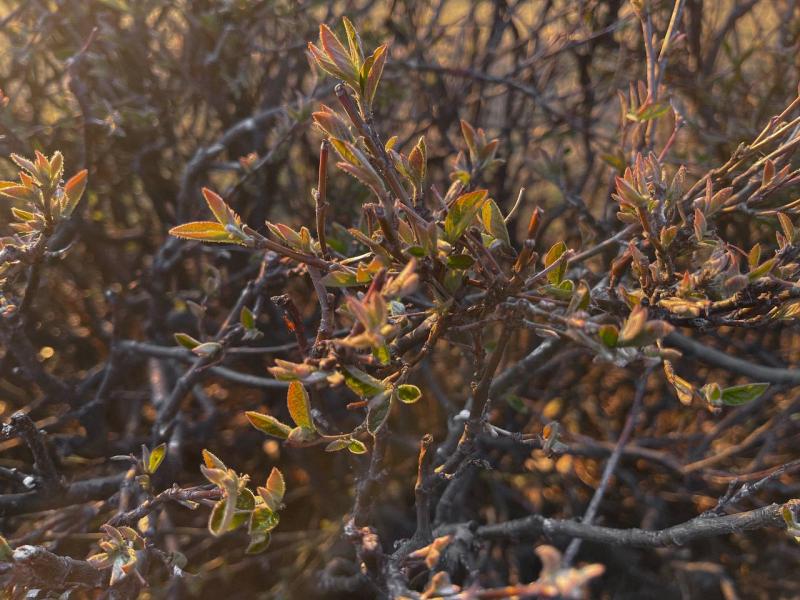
<point x="464" y="377"/>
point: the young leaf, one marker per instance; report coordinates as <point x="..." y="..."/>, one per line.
<point x="556" y="251"/>
<point x="787" y="226"/>
<point x="56" y="167"/>
<point x="683" y="388"/>
<point x="24" y="163"/>
<point x="156" y="458"/>
<point x="216" y="476"/>
<point x="638" y="331"/>
<point x="187" y="341"/>
<point x="407" y="393"/>
<point x="337" y="445"/>
<point x="354" y="43"/>
<point x="417" y="161"/>
<point x="460" y="261"/>
<point x="493" y="222"/>
<point x="221" y="212"/>
<point x="341" y="279"/>
<point x="73" y="190"/>
<point x="363" y="384"/>
<point x="468" y="131"/>
<point x="356" y="447"/>
<point x="268" y="424"/>
<point x="742" y="394"/>
<point x="376" y="62"/>
<point x="22" y="215"/>
<point x="217" y="518"/>
<point x="259" y="542"/>
<point x="207" y="349"/>
<point x="336" y="54"/>
<point x="762" y="270"/>
<point x="382" y="354"/>
<point x="712" y="393"/>
<point x="245" y="503"/>
<point x="462" y="213"/>
<point x="608" y="334"/>
<point x="247" y="318"/>
<point x="300" y="436"/>
<point x="274" y="491"/>
<point x="6" y="553"/>
<point x="378" y="412"/>
<point x="299" y="406"/>
<point x="206" y="231"/>
<point x="212" y="462"/>
<point x="263" y="520"/>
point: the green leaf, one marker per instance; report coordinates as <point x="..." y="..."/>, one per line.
<point x="263" y="520"/>
<point x="341" y="279"/>
<point x="493" y="222"/>
<point x="649" y="112"/>
<point x="462" y="213"/>
<point x="337" y="445"/>
<point x="382" y="354"/>
<point x="245" y="500"/>
<point x="23" y="215"/>
<point x="187" y="341"/>
<point x="299" y="406"/>
<point x="378" y="411"/>
<point x="258" y="543"/>
<point x="268" y="424"/>
<point x="223" y="519"/>
<point x="742" y="394"/>
<point x="274" y="491"/>
<point x="363" y="384"/>
<point x="156" y="458"/>
<point x="215" y="521"/>
<point x="562" y="291"/>
<point x="247" y="318"/>
<point x="357" y="447"/>
<point x="556" y="251"/>
<point x="608" y="334"/>
<point x="762" y="270"/>
<point x="517" y="403"/>
<point x="6" y="553"/>
<point x="460" y="261"/>
<point x="407" y="393"/>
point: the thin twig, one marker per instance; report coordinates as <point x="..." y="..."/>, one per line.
<point x="611" y="463"/>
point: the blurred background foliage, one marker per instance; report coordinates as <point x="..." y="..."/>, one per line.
<point x="158" y="98"/>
